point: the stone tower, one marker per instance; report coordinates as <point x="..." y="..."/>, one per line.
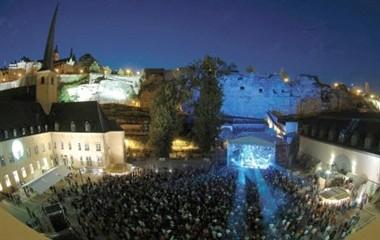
<point x="47" y="79"/>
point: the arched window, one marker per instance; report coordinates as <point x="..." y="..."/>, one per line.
<point x="31" y="129"/>
<point x="43" y="80"/>
<point x="56" y="126"/>
<point x="72" y="126"/>
<point x="14" y="132"/>
<point x="6" y="134"/>
<point x="23" y="131"/>
<point x="87" y="126"/>
<point x="39" y="128"/>
<point x="46" y="127"/>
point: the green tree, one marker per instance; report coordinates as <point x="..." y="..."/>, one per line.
<point x="207" y="119"/>
<point x="163" y="115"/>
<point x="94" y="68"/>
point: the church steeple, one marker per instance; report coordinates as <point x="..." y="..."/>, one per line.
<point x="48" y="63"/>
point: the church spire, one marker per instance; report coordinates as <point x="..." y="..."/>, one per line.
<point x="48" y="62"/>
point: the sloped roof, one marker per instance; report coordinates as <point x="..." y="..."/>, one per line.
<point x="17" y="114"/>
<point x="79" y="113"/>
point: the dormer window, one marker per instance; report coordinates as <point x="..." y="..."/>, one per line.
<point x="31" y="129"/>
<point x="87" y="126"/>
<point x="46" y="128"/>
<point x="23" y="131"/>
<point x="39" y="128"/>
<point x="6" y="134"/>
<point x="14" y="133"/>
<point x="56" y="126"/>
<point x="72" y="126"/>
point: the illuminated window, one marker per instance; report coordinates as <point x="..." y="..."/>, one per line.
<point x="14" y="133"/>
<point x="23" y="172"/>
<point x="46" y="127"/>
<point x="87" y="147"/>
<point x="2" y="160"/>
<point x="87" y="126"/>
<point x="79" y="147"/>
<point x="16" y="177"/>
<point x="39" y="128"/>
<point x="56" y="126"/>
<point x="1" y="188"/>
<point x="23" y="131"/>
<point x="98" y="147"/>
<point x="7" y="180"/>
<point x="45" y="164"/>
<point x="5" y="133"/>
<point x="31" y="130"/>
<point x="72" y="126"/>
<point x="31" y="168"/>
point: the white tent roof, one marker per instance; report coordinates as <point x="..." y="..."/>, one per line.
<point x="252" y="140"/>
<point x="51" y="177"/>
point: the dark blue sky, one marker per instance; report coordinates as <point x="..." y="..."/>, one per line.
<point x="338" y="40"/>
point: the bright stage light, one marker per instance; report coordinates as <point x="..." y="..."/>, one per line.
<point x="252" y="156"/>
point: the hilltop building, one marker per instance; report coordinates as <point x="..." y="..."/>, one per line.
<point x="38" y="135"/>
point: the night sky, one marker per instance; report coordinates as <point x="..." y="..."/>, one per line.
<point x="337" y="40"/>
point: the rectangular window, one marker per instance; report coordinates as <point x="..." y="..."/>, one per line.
<point x="79" y="147"/>
<point x="43" y="147"/>
<point x="2" y="160"/>
<point x="38" y="165"/>
<point x="55" y="145"/>
<point x="36" y="149"/>
<point x="23" y="172"/>
<point x="62" y="147"/>
<point x="1" y="187"/>
<point x="31" y="168"/>
<point x="81" y="161"/>
<point x="98" y="147"/>
<point x="16" y="177"/>
<point x="88" y="162"/>
<point x="100" y="162"/>
<point x="86" y="147"/>
<point x="7" y="180"/>
<point x="69" y="146"/>
<point x="49" y="145"/>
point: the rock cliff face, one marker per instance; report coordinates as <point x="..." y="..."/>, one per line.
<point x="252" y="95"/>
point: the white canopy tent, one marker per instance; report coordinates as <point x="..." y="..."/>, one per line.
<point x="48" y="179"/>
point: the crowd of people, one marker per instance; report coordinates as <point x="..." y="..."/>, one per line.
<point x="200" y="203"/>
<point x="304" y="216"/>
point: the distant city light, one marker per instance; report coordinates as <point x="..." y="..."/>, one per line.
<point x="81" y="70"/>
<point x="138" y="72"/>
<point x="286" y="79"/>
<point x="19" y="75"/>
<point x="358" y="91"/>
<point x="128" y="71"/>
<point x="372" y="96"/>
<point x="56" y="70"/>
<point x="336" y="84"/>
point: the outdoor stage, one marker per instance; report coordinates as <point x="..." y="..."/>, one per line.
<point x="251" y="151"/>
